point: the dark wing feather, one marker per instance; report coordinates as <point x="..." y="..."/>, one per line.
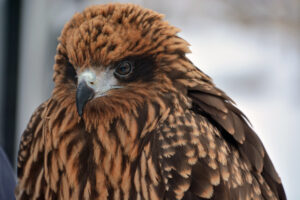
<point x="231" y="122"/>
<point x="30" y="155"/>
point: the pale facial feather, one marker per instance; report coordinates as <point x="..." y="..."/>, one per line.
<point x="100" y="80"/>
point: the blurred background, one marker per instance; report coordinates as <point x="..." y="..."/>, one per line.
<point x="251" y="48"/>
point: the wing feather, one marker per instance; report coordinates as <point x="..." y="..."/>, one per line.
<point x="30" y="155"/>
<point x="220" y="111"/>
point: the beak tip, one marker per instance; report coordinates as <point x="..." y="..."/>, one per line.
<point x="83" y="95"/>
<point x="79" y="108"/>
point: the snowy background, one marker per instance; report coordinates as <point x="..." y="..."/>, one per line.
<point x="250" y="48"/>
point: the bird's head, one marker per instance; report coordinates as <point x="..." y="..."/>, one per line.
<point x="112" y="58"/>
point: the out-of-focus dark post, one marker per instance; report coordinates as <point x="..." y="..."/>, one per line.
<point x="10" y="76"/>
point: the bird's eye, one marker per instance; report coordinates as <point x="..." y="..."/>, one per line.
<point x="123" y="69"/>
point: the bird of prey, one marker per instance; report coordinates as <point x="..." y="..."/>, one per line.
<point x="131" y="117"/>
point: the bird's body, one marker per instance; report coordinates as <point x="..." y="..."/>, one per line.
<point x="156" y="128"/>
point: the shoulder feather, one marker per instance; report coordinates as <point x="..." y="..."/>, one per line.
<point x="220" y="110"/>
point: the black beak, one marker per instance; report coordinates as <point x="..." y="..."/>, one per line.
<point x="83" y="94"/>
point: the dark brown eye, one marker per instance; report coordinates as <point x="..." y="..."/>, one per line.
<point x="123" y="69"/>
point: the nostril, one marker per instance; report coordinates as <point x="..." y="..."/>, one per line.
<point x="92" y="82"/>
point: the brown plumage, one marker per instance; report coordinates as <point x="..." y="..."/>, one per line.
<point x="131" y="117"/>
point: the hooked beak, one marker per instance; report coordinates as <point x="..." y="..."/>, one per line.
<point x="83" y="94"/>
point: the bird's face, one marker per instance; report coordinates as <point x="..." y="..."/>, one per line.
<point x="117" y="78"/>
<point x="112" y="58"/>
<point x="94" y="84"/>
